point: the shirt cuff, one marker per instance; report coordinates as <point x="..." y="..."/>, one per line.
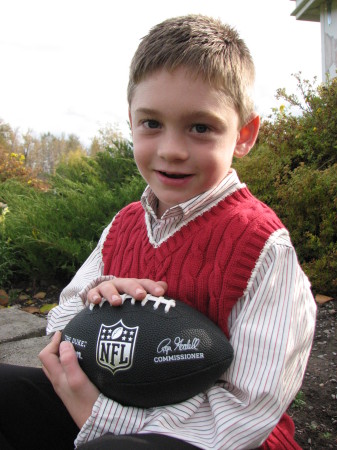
<point x="109" y="416"/>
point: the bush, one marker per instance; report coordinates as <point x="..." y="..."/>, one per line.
<point x="294" y="170"/>
<point x="52" y="232"/>
<point x="309" y="137"/>
<point x="308" y="206"/>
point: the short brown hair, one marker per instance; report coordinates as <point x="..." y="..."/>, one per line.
<point x="207" y="48"/>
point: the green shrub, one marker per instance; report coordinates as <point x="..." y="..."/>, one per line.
<point x="311" y="136"/>
<point x="307" y="204"/>
<point x="52" y="232"/>
<point x="322" y="271"/>
<point x="260" y="169"/>
<point x="308" y="207"/>
<point x="7" y="257"/>
<point x="294" y="170"/>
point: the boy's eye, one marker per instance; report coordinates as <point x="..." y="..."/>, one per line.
<point x="200" y="128"/>
<point x="151" y="124"/>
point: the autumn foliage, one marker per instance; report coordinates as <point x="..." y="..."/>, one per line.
<point x="12" y="166"/>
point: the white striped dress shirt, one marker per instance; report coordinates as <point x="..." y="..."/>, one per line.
<point x="271" y="330"/>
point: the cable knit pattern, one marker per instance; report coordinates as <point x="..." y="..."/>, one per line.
<point x="207" y="263"/>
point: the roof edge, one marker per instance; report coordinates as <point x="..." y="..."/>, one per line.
<point x="308" y="10"/>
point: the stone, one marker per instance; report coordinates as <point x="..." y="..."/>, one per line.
<point x="16" y="324"/>
<point x="24" y="352"/>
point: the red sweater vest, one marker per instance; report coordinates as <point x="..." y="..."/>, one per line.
<point x="207" y="263"/>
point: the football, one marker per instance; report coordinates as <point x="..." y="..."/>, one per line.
<point x="148" y="353"/>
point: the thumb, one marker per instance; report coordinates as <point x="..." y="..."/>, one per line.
<point x="56" y="339"/>
<point x="70" y="365"/>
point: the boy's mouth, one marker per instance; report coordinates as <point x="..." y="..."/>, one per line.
<point x="174" y="175"/>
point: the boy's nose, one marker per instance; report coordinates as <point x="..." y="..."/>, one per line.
<point x="172" y="147"/>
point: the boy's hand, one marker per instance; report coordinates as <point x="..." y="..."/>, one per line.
<point x="137" y="288"/>
<point x="70" y="383"/>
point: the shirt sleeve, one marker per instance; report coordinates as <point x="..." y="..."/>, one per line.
<point x="271" y="331"/>
<point x="73" y="297"/>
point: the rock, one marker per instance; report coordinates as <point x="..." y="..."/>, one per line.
<point x="24" y="352"/>
<point x="16" y="325"/>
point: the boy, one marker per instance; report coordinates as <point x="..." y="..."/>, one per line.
<point x="197" y="235"/>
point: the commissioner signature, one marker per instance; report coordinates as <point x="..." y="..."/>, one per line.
<point x="179" y="344"/>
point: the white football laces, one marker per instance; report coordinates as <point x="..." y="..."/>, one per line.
<point x="169" y="303"/>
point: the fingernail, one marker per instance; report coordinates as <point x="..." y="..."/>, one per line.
<point x="140" y="291"/>
<point x="115" y="299"/>
<point x="159" y="290"/>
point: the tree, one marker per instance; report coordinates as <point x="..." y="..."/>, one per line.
<point x="5" y="132"/>
<point x="45" y="153"/>
<point x="106" y="138"/>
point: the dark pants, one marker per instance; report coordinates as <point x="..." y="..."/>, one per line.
<point x="33" y="417"/>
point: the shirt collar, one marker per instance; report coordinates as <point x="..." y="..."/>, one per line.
<point x="186" y="209"/>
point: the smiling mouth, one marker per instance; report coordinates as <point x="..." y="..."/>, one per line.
<point x="174" y="175"/>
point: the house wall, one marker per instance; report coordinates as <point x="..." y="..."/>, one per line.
<point x="319" y="11"/>
<point x="329" y="39"/>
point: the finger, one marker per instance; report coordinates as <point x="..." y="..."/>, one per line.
<point x="52" y="347"/>
<point x="67" y="353"/>
<point x="106" y="290"/>
<point x="162" y="287"/>
<point x="49" y="357"/>
<point x="138" y="288"/>
<point x="70" y="365"/>
<point x="94" y="296"/>
<point x="156" y="288"/>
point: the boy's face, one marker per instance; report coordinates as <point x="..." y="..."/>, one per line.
<point x="184" y="135"/>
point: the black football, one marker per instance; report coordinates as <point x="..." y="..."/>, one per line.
<point x="150" y="353"/>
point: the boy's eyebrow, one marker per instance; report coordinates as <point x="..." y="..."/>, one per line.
<point x="147" y="111"/>
<point x="208" y="115"/>
<point x="195" y="115"/>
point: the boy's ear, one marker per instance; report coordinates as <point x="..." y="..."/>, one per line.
<point x="247" y="137"/>
<point x="130" y="119"/>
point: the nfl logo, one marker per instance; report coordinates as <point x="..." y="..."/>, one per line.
<point x="115" y="346"/>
